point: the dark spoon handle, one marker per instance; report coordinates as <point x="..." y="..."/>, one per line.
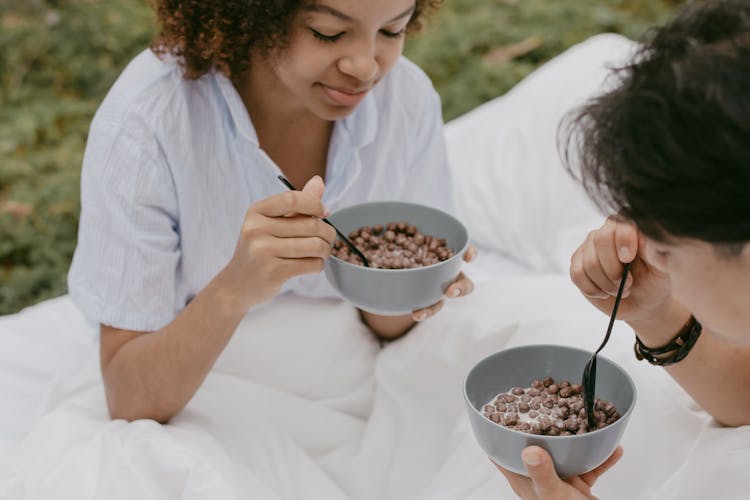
<point x="351" y="245"/>
<point x="588" y="381"/>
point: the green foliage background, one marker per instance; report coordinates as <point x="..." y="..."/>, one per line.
<point x="59" y="57"/>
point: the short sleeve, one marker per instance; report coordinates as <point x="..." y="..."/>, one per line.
<point x="125" y="264"/>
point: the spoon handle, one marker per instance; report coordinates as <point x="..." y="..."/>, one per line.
<point x="588" y="381"/>
<point x="351" y="245"/>
<point x="292" y="188"/>
<point x="615" y="307"/>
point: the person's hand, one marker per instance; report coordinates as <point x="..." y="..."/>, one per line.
<point x="282" y="236"/>
<point x="596" y="269"/>
<point x="543" y="482"/>
<point x="461" y="287"/>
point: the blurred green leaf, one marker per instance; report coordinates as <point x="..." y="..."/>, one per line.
<point x="453" y="47"/>
<point x="59" y="58"/>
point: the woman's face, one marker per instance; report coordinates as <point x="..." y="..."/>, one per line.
<point x="339" y="50"/>
<point x="715" y="287"/>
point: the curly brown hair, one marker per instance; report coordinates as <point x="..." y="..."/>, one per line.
<point x="207" y="34"/>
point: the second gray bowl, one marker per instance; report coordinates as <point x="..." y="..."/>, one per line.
<point x="393" y="292"/>
<point x="517" y="367"/>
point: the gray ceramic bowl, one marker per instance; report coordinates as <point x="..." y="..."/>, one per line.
<point x="517" y="367"/>
<point x="397" y="291"/>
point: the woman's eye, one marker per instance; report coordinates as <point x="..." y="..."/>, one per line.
<point x="394" y="34"/>
<point x="326" y="38"/>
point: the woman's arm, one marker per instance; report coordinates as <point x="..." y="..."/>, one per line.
<point x="388" y="327"/>
<point x="154" y="375"/>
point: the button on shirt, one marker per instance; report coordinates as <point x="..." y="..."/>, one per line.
<point x="172" y="166"/>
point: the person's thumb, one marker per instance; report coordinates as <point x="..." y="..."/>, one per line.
<point x="541" y="470"/>
<point x="626" y="240"/>
<point x="315" y="187"/>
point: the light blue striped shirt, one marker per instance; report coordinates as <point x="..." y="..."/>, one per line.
<point x="172" y="165"/>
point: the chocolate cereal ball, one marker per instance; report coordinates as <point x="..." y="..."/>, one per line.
<point x="548" y="409"/>
<point x="396" y="245"/>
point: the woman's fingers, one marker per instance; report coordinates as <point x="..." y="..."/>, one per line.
<point x="300" y="248"/>
<point x="461" y="287"/>
<point x="470" y="254"/>
<point x="423" y="314"/>
<point x="304" y="265"/>
<point x="299" y="226"/>
<point x="290" y="202"/>
<point x="314" y="187"/>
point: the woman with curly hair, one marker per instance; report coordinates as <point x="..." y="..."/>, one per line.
<point x="184" y="226"/>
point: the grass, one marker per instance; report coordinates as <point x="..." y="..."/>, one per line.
<point x="60" y="57"/>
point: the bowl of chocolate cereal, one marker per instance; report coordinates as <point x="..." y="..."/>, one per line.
<point x="531" y="395"/>
<point x="414" y="253"/>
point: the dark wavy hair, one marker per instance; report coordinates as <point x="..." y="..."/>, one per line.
<point x="208" y="34"/>
<point x="669" y="147"/>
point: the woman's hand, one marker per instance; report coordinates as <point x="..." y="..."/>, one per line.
<point x="461" y="287"/>
<point x="543" y="482"/>
<point x="596" y="269"/>
<point x="393" y="327"/>
<point x="282" y="236"/>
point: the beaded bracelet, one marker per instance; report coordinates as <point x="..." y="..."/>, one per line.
<point x="679" y="347"/>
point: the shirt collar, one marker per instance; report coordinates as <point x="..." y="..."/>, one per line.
<point x="349" y="136"/>
<point x="362" y="124"/>
<point x="240" y="118"/>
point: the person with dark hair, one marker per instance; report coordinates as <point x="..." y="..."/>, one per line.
<point x="668" y="152"/>
<point x="184" y="225"/>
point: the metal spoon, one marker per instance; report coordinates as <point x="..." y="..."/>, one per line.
<point x="588" y="382"/>
<point x="341" y="235"/>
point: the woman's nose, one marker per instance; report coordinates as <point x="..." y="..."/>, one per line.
<point x="361" y="63"/>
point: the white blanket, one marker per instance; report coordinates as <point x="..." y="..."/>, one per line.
<point x="304" y="404"/>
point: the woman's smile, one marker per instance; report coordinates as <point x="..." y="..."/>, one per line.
<point x="345" y="97"/>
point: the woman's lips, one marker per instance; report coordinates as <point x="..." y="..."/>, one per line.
<point x="343" y="97"/>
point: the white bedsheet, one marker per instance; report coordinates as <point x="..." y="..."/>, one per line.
<point x="305" y="405"/>
<point x="39" y="345"/>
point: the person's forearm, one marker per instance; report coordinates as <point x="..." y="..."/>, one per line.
<point x="714" y="373"/>
<point x="156" y="374"/>
<point x="388" y="327"/>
